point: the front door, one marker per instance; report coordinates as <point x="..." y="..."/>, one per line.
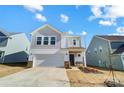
<point x="71" y="56"/>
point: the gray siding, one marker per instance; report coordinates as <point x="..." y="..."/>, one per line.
<point x="117" y="62"/>
<point x="99" y="58"/>
<point x="17" y="49"/>
<point x="102" y="59"/>
<point x="16" y="57"/>
<point x="46" y="32"/>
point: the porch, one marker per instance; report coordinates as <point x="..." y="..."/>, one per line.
<point x="74" y="56"/>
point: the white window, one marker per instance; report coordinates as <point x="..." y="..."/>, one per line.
<point x="74" y="42"/>
<point x="46" y="41"/>
<point x="95" y="50"/>
<point x="39" y="40"/>
<point x="53" y="40"/>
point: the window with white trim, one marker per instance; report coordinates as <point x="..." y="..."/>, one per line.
<point x="39" y="40"/>
<point x="46" y="41"/>
<point x="52" y="40"/>
<point x="74" y="42"/>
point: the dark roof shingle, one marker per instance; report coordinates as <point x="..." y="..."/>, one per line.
<point x="111" y="37"/>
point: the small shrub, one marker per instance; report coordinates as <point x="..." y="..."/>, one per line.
<point x="81" y="68"/>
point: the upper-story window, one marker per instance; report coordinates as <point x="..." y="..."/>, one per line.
<point x="46" y="41"/>
<point x="52" y="40"/>
<point x="74" y="42"/>
<point x="39" y="40"/>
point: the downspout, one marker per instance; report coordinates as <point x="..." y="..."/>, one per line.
<point x="110" y="67"/>
<point x="85" y="64"/>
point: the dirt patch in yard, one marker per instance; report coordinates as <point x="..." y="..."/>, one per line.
<point x="78" y="78"/>
<point x="7" y="69"/>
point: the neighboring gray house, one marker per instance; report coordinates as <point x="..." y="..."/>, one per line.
<point x="14" y="47"/>
<point x="106" y="49"/>
<point x="50" y="47"/>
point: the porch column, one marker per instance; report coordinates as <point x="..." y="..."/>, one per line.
<point x="34" y="61"/>
<point x="66" y="56"/>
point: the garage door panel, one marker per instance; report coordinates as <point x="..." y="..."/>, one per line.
<point x="50" y="60"/>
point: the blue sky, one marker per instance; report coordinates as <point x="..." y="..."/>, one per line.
<point x="78" y="20"/>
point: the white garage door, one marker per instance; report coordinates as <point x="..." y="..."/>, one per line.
<point x="50" y="60"/>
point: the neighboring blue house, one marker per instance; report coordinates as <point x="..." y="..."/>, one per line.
<point x="105" y="50"/>
<point x="14" y="47"/>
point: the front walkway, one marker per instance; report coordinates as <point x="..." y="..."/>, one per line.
<point x="37" y="77"/>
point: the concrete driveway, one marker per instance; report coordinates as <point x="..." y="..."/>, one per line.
<point x="37" y="77"/>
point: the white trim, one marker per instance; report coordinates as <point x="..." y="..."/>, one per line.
<point x="73" y="42"/>
<point x="44" y="51"/>
<point x="49" y="40"/>
<point x="37" y="40"/>
<point x="43" y="40"/>
<point x="55" y="40"/>
<point x="72" y="36"/>
<point x="102" y="38"/>
<point x="74" y="58"/>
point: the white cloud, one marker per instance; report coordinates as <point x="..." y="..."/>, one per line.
<point x="120" y="30"/>
<point x="115" y="11"/>
<point x="83" y="33"/>
<point x="70" y="32"/>
<point x="107" y="13"/>
<point x="34" y="8"/>
<point x="77" y="6"/>
<point x="107" y="22"/>
<point x="64" y="18"/>
<point x="96" y="10"/>
<point x="40" y="17"/>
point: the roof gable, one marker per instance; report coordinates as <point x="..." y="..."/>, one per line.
<point x="7" y="34"/>
<point x="3" y="33"/>
<point x="46" y="26"/>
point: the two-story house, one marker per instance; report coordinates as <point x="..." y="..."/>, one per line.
<point x="14" y="47"/>
<point x="50" y="47"/>
<point x="105" y="51"/>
